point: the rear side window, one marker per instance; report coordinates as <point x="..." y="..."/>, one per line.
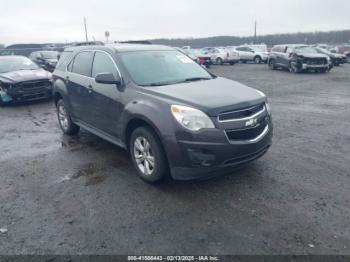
<point x="103" y="64"/>
<point x="82" y="63"/>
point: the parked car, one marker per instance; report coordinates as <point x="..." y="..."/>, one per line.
<point x="298" y="58"/>
<point x="347" y="54"/>
<point x="23" y="80"/>
<point x="45" y="59"/>
<point x="221" y="55"/>
<point x="253" y="53"/>
<point x="199" y="57"/>
<point x="336" y="59"/>
<point x="21" y="49"/>
<point x="167" y="111"/>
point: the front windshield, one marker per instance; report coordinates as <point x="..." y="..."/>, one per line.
<point x="324" y="51"/>
<point x="16" y="64"/>
<point x="152" y="68"/>
<point x="50" y="54"/>
<point x="306" y="50"/>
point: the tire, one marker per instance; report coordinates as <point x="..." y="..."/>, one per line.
<point x="64" y="119"/>
<point x="293" y="69"/>
<point x="232" y="63"/>
<point x="148" y="156"/>
<point x="219" y="61"/>
<point x="272" y="64"/>
<point x="257" y="60"/>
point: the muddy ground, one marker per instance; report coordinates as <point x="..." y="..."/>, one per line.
<point x="81" y="195"/>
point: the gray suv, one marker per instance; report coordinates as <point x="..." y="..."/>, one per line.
<point x="168" y="112"/>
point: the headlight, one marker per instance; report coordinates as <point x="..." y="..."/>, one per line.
<point x="190" y="118"/>
<point x="328" y="59"/>
<point x="261" y="93"/>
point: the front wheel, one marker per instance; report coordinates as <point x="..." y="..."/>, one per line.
<point x="257" y="60"/>
<point x="148" y="156"/>
<point x="219" y="61"/>
<point x="64" y="119"/>
<point x="293" y="68"/>
<point x="272" y="64"/>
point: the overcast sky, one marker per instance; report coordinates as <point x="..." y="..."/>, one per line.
<point x="60" y="21"/>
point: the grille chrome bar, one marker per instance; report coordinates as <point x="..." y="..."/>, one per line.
<point x="242" y="118"/>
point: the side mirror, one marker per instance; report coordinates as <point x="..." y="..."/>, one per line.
<point x="107" y="78"/>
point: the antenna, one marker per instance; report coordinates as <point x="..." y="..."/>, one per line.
<point x="86" y="34"/>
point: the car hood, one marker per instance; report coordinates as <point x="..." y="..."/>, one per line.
<point x="24" y="75"/>
<point x="311" y="55"/>
<point x="211" y="96"/>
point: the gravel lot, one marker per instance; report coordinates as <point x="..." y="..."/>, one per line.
<point x="61" y="195"/>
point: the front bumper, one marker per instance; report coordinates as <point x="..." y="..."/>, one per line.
<point x="307" y="66"/>
<point x="24" y="92"/>
<point x="199" y="158"/>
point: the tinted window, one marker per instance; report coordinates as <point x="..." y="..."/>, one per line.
<point x="103" y="64"/>
<point x="82" y="63"/>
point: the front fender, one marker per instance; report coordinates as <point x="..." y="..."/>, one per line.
<point x="59" y="87"/>
<point x="157" y="116"/>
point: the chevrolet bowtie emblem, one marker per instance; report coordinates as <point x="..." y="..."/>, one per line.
<point x="251" y="122"/>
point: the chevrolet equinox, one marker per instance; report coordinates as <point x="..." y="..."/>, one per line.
<point x="169" y="113"/>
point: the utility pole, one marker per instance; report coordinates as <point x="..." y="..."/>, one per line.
<point x="86" y="34"/>
<point x="255" y="25"/>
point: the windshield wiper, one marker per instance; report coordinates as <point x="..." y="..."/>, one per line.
<point x="161" y="83"/>
<point x="192" y="79"/>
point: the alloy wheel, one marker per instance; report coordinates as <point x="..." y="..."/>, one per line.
<point x="63" y="117"/>
<point x="144" y="157"/>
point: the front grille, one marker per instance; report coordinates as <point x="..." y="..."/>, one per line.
<point x="33" y="85"/>
<point x="243" y="113"/>
<point x="247" y="133"/>
<point x="31" y="90"/>
<point x="315" y="61"/>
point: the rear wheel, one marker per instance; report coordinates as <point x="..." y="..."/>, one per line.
<point x="232" y="63"/>
<point x="64" y="119"/>
<point x="147" y="155"/>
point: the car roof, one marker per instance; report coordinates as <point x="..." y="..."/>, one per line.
<point x="122" y="48"/>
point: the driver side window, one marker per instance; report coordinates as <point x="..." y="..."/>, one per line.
<point x="103" y="64"/>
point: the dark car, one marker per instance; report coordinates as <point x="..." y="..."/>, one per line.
<point x="21" y="49"/>
<point x="45" y="59"/>
<point x="298" y="58"/>
<point x="165" y="109"/>
<point x="23" y="80"/>
<point x="336" y="59"/>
